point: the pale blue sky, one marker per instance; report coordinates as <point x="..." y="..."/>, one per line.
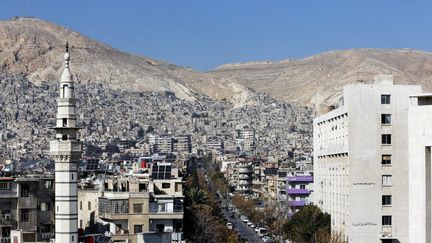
<point x="203" y="34"/>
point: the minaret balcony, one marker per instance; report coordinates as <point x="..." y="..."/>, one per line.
<point x="59" y="146"/>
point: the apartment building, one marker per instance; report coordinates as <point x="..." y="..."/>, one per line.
<point x="239" y="176"/>
<point x="361" y="162"/>
<point x="183" y="144"/>
<point x="419" y="172"/>
<point x="143" y="205"/>
<point x="27" y="204"/>
<point x="299" y="190"/>
<point x="246" y="140"/>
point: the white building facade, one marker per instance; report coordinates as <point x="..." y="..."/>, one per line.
<point x="66" y="150"/>
<point x="419" y="173"/>
<point x="361" y="162"/>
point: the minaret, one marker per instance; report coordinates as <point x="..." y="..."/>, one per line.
<point x="66" y="151"/>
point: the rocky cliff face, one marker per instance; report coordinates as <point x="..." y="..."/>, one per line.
<point x="318" y="80"/>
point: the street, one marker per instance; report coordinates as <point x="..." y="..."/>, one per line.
<point x="243" y="229"/>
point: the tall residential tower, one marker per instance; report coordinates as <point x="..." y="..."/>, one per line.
<point x="66" y="150"/>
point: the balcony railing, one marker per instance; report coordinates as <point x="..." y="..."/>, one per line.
<point x="178" y="208"/>
<point x="297" y="191"/>
<point x="300" y="178"/>
<point x="155" y="209"/>
<point x="177" y="236"/>
<point x="47" y="235"/>
<point x="296" y="203"/>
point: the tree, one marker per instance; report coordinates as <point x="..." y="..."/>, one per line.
<point x="195" y="196"/>
<point x="304" y="226"/>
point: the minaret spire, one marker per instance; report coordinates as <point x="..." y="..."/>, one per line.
<point x="66" y="151"/>
<point x="66" y="57"/>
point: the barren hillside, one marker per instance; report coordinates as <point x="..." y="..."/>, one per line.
<point x="318" y="80"/>
<point x="34" y="47"/>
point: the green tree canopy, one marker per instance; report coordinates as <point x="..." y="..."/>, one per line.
<point x="307" y="224"/>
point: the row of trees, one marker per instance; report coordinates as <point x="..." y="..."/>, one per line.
<point x="202" y="215"/>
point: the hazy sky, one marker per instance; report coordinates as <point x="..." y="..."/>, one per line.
<point x="203" y="34"/>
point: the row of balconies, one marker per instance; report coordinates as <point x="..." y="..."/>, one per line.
<point x="300" y="178"/>
<point x="154" y="208"/>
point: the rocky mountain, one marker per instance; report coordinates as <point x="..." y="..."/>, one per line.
<point x="34" y="47"/>
<point x="318" y="80"/>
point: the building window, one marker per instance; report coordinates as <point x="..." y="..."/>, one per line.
<point x="161" y="207"/>
<point x="5" y="185"/>
<point x="302" y="186"/>
<point x="137" y="208"/>
<point x="24" y="215"/>
<point x="44" y="207"/>
<point x="80" y="205"/>
<point x="386" y="220"/>
<point x="64" y="122"/>
<point x="64" y="137"/>
<point x="48" y="184"/>
<point x="160" y="227"/>
<point x="386" y="159"/>
<point x="45" y="228"/>
<point x="25" y="188"/>
<point x="386" y="180"/>
<point x="385" y="118"/>
<point x="81" y="223"/>
<point x="166" y="185"/>
<point x="385" y="99"/>
<point x="142" y="187"/>
<point x="64" y="91"/>
<point x="386" y="138"/>
<point x="89" y="205"/>
<point x="386" y="200"/>
<point x="138" y="228"/>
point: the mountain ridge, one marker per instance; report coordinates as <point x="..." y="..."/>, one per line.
<point x="34" y="48"/>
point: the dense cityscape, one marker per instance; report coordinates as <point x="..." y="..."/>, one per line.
<point x="280" y="123"/>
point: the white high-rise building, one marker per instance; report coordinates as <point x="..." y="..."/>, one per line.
<point x="361" y="162"/>
<point x="66" y="150"/>
<point x="419" y="173"/>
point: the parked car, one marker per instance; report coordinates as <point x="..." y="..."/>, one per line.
<point x="267" y="239"/>
<point x="244" y="219"/>
<point x="229" y="225"/>
<point x="261" y="231"/>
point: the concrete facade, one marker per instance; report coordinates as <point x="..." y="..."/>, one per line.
<point x="420" y="142"/>
<point x="361" y="162"/>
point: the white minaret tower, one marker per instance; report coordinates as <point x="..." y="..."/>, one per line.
<point x="66" y="151"/>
